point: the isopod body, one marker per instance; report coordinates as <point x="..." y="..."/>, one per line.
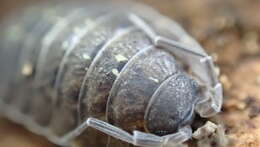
<point x="72" y="71"/>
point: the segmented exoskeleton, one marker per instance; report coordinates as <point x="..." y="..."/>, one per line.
<point x="70" y="70"/>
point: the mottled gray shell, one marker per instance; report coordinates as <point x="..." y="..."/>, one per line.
<point x="61" y="64"/>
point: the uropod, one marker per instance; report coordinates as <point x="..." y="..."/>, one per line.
<point x="104" y="74"/>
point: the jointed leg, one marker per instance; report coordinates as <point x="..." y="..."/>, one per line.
<point x="138" y="138"/>
<point x="66" y="139"/>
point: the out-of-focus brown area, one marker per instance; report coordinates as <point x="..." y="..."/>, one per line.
<point x="229" y="30"/>
<point x="12" y="135"/>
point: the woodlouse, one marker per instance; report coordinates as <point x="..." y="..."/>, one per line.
<point x="72" y="70"/>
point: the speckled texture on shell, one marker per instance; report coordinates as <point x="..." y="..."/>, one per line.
<point x="173" y="98"/>
<point x="135" y="85"/>
<point x="106" y="68"/>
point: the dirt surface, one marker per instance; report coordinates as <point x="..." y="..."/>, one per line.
<point x="229" y="30"/>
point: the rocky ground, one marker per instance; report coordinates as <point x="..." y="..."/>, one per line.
<point x="229" y="30"/>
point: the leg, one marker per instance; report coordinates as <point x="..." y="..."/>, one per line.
<point x="139" y="138"/>
<point x="66" y="139"/>
<point x="199" y="62"/>
<point x="99" y="125"/>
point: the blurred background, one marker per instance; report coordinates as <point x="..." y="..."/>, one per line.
<point x="229" y="30"/>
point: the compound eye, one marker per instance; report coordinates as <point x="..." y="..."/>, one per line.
<point x="172" y="105"/>
<point x="161" y="132"/>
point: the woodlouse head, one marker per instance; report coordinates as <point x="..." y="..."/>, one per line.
<point x="172" y="105"/>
